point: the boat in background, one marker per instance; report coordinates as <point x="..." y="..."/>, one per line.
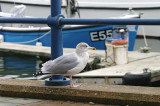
<point x="88" y="8"/>
<point x="94" y="35"/>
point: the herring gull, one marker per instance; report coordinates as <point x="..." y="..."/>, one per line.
<point x="69" y="64"/>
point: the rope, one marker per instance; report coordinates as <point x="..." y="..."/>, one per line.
<point x="78" y="12"/>
<point x="35" y="39"/>
<point x="144" y="36"/>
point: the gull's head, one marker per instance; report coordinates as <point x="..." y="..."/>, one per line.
<point x="84" y="47"/>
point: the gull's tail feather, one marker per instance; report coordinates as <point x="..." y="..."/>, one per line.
<point x="44" y="76"/>
<point x="47" y="65"/>
<point x="38" y="73"/>
<point x="41" y="75"/>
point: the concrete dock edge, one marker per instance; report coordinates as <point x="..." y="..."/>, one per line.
<point x="105" y="94"/>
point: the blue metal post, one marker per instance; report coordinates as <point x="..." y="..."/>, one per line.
<point x="56" y="32"/>
<point x="56" y="44"/>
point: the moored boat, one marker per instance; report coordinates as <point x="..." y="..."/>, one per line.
<point x="88" y="8"/>
<point x="94" y="35"/>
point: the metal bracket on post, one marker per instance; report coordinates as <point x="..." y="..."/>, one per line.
<point x="55" y="21"/>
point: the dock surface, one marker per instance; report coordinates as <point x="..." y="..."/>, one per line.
<point x="114" y="74"/>
<point x="35" y="50"/>
<point x="96" y="93"/>
<point x="137" y="62"/>
<point x="22" y="101"/>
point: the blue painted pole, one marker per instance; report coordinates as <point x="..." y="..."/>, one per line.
<point x="56" y="42"/>
<point x="110" y="21"/>
<point x="64" y="21"/>
<point x="56" y="32"/>
<point x="56" y="35"/>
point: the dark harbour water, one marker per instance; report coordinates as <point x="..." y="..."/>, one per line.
<point x="17" y="66"/>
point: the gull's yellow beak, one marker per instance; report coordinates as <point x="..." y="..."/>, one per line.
<point x="92" y="48"/>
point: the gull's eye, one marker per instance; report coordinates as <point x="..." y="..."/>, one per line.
<point x="85" y="46"/>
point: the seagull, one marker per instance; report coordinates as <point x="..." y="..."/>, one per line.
<point x="68" y="65"/>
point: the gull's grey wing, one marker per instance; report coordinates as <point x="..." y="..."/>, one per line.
<point x="62" y="64"/>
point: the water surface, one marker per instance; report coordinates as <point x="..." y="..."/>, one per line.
<point x="18" y="66"/>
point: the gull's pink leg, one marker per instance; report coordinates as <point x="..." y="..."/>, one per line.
<point x="71" y="83"/>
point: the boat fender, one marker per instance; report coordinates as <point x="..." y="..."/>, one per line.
<point x="38" y="43"/>
<point x="119" y="42"/>
<point x="142" y="79"/>
<point x="1" y="38"/>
